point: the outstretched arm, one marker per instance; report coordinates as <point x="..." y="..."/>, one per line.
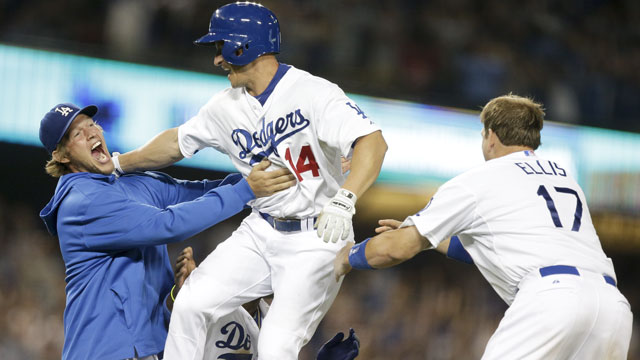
<point x="132" y="223"/>
<point x="161" y="151"/>
<point x="393" y="246"/>
<point x="385" y="250"/>
<point x="391" y="224"/>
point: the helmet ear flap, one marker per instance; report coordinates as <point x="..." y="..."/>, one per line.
<point x="242" y="53"/>
<point x="229" y="51"/>
<point x="243" y="48"/>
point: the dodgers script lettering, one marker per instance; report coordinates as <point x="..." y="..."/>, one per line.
<point x="269" y="136"/>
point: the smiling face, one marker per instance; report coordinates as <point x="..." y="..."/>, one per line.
<point x="86" y="149"/>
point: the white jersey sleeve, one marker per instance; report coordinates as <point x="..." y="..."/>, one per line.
<point x="451" y="210"/>
<point x="343" y="121"/>
<point x="201" y="131"/>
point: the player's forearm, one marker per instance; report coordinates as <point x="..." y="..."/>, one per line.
<point x="385" y="250"/>
<point x="443" y="247"/>
<point x="394" y="247"/>
<point x="366" y="162"/>
<point x="162" y="151"/>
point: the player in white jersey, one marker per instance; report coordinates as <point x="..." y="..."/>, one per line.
<point x="300" y="122"/>
<point x="524" y="222"/>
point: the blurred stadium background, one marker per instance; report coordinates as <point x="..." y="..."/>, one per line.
<point x="421" y="69"/>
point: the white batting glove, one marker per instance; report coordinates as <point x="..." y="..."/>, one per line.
<point x="335" y="219"/>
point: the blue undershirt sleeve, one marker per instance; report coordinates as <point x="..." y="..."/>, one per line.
<point x="457" y="252"/>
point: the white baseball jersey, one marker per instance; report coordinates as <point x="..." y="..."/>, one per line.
<point x="235" y="336"/>
<point x="515" y="214"/>
<point x="306" y="125"/>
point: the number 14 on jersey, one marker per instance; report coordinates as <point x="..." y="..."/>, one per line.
<point x="305" y="162"/>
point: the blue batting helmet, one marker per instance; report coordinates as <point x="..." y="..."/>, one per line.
<point x="243" y="25"/>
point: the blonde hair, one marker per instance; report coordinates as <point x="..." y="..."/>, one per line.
<point x="516" y="120"/>
<point x="54" y="167"/>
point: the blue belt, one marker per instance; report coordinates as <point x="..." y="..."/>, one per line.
<point x="571" y="270"/>
<point x="286" y="225"/>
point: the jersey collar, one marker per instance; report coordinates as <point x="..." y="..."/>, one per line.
<point x="282" y="69"/>
<point x="520" y="154"/>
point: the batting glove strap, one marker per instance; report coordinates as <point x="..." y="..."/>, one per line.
<point x="345" y="200"/>
<point x="334" y="221"/>
<point x="357" y="257"/>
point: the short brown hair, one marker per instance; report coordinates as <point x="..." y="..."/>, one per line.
<point x="516" y="120"/>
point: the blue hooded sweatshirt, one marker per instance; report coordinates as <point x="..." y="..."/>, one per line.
<point x="112" y="233"/>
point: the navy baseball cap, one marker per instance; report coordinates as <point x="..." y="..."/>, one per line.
<point x="55" y="123"/>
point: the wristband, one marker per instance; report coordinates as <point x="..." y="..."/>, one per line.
<point x="116" y="163"/>
<point x="348" y="194"/>
<point x="172" y="297"/>
<point x="357" y="258"/>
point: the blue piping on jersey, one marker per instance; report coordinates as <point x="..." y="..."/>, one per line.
<point x="282" y="69"/>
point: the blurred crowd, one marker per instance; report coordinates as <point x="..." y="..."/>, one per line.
<point x="429" y="308"/>
<point x="579" y="57"/>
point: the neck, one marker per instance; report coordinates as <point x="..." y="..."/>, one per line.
<point x="263" y="69"/>
<point x="506" y="150"/>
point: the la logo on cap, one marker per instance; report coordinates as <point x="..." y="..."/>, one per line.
<point x="64" y="110"/>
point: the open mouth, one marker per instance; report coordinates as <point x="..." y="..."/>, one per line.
<point x="99" y="153"/>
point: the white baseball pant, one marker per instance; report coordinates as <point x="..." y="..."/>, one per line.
<point x="257" y="260"/>
<point x="564" y="316"/>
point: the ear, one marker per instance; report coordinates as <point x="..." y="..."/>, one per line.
<point x="492" y="138"/>
<point x="57" y="156"/>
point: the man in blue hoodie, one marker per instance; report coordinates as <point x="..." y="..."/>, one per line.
<point x="113" y="233"/>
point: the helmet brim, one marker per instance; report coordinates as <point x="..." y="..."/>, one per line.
<point x="209" y="39"/>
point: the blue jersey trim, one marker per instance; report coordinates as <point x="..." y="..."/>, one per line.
<point x="457" y="252"/>
<point x="282" y="69"/>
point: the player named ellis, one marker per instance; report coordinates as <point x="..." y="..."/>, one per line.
<point x="524" y="221"/>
